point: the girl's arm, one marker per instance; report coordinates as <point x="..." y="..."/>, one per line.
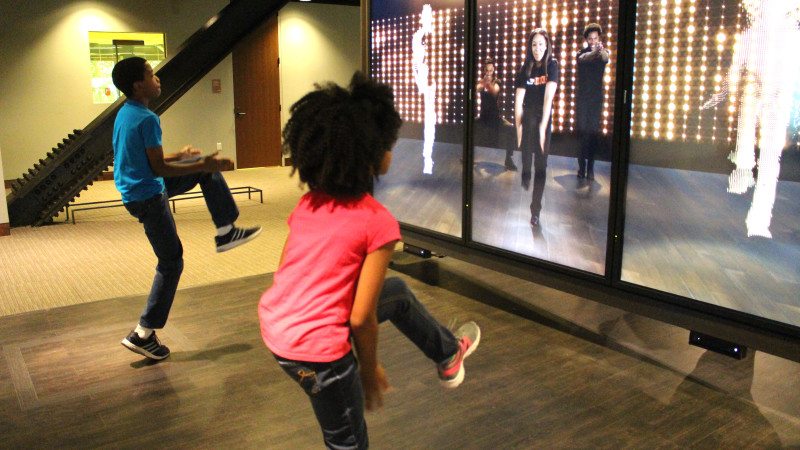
<point x="283" y="252"/>
<point x="364" y="324"/>
<point x="549" y="93"/>
<point x="520" y="96"/>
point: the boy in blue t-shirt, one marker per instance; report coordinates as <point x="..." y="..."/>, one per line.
<point x="147" y="178"/>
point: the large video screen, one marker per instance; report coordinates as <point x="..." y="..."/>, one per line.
<point x="544" y="113"/>
<point x="419" y="49"/>
<point x="713" y="188"/>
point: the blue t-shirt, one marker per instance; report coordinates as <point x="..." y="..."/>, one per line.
<point x="135" y="130"/>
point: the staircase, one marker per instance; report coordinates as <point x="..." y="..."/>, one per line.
<point x="83" y="156"/>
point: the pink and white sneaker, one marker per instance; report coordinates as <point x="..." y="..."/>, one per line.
<point x="451" y="373"/>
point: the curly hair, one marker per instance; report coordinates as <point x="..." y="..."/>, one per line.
<point x="337" y="137"/>
<point x="592" y="27"/>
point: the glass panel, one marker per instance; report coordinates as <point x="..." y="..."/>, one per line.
<point x="419" y="50"/>
<point x="554" y="204"/>
<point x="712" y="209"/>
<point x="106" y="48"/>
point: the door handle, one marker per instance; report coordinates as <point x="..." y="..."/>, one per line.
<point x="239" y="113"/>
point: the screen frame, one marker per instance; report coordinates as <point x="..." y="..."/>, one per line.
<point x="775" y="337"/>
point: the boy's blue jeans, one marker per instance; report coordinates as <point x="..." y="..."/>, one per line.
<point x="159" y="226"/>
<point x="335" y="387"/>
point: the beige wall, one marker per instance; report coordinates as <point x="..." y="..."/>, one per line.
<point x="317" y="43"/>
<point x="45" y="83"/>
<point x="45" y="79"/>
<point x="3" y="205"/>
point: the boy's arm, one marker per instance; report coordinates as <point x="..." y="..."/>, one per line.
<point x="161" y="167"/>
<point x="364" y="324"/>
<point x="185" y="153"/>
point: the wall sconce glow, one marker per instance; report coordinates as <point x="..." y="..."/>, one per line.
<point x="93" y="20"/>
<point x="295" y="32"/>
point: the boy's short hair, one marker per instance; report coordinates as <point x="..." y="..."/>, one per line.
<point x="337" y="137"/>
<point x="592" y="27"/>
<point x="127" y="72"/>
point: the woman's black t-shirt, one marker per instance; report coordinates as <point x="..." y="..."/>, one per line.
<point x="534" y="85"/>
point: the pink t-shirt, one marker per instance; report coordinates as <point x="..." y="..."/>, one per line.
<point x="305" y="314"/>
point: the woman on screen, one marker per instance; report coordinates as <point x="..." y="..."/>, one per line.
<point x="536" y="85"/>
<point x="490" y="122"/>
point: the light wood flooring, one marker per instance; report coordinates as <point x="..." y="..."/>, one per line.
<point x="569" y="373"/>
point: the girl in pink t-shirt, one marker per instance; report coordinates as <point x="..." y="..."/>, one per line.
<point x="329" y="289"/>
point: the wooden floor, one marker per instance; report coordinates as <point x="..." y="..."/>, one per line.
<point x="569" y="373"/>
<point x="684" y="233"/>
<point x="430" y="201"/>
<point x="574" y="216"/>
<point x="693" y="242"/>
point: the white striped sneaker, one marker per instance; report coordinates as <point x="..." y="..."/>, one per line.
<point x="236" y="237"/>
<point x="150" y="347"/>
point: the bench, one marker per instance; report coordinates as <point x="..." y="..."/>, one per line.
<point x="249" y="190"/>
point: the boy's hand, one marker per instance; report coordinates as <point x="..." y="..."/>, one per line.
<point x="188" y="152"/>
<point x="213" y="164"/>
<point x="374" y="385"/>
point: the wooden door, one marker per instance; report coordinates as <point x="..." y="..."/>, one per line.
<point x="256" y="92"/>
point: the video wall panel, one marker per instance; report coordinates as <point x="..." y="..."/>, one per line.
<point x="419" y="49"/>
<point x="714" y="181"/>
<point x="550" y="202"/>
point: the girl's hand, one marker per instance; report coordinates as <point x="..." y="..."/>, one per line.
<point x="374" y="385"/>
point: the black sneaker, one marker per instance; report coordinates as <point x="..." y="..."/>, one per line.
<point x="150" y="347"/>
<point x="236" y="237"/>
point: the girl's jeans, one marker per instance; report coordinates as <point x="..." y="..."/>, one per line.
<point x="335" y="387"/>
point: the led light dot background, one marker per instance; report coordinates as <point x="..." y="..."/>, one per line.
<point x="503" y="28"/>
<point x="390" y="62"/>
<point x="682" y="53"/>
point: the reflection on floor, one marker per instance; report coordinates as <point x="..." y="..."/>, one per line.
<point x="431" y="201"/>
<point x="685" y="234"/>
<point x="569" y="374"/>
<point x="574" y="215"/>
<point x="573" y="220"/>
